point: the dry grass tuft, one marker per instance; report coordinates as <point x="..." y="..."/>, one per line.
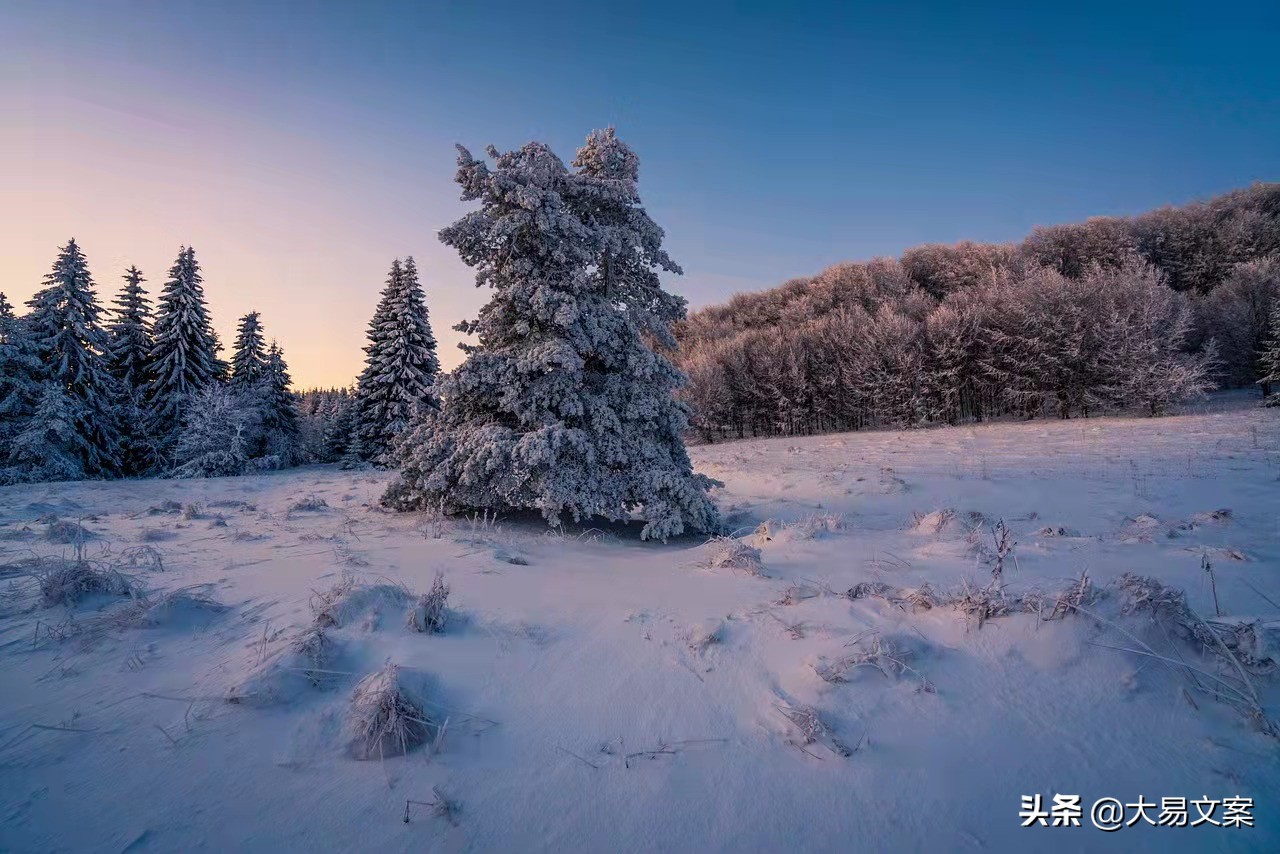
<point x="385" y="718"/>
<point x="733" y="554"/>
<point x="810" y="732"/>
<point x="310" y="504"/>
<point x="65" y="582"/>
<point x="431" y="610"/>
<point x="66" y="533"/>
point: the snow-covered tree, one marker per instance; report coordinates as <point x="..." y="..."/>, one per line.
<point x="1143" y="345"/>
<point x="249" y="354"/>
<point x="19" y="374"/>
<point x="400" y="364"/>
<point x="184" y="359"/>
<point x="216" y="436"/>
<point x="1270" y="361"/>
<point x="129" y="333"/>
<point x="279" y="408"/>
<point x="128" y="354"/>
<point x="561" y="407"/>
<point x="50" y="444"/>
<point x="70" y="343"/>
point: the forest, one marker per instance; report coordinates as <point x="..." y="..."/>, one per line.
<point x="1108" y="315"/>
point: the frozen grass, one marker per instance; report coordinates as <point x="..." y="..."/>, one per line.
<point x="350" y="603"/>
<point x="65" y="581"/>
<point x="386" y="717"/>
<point x="431" y="610"/>
<point x="811" y="735"/>
<point x="733" y="554"/>
<point x="310" y="504"/>
<point x="64" y="532"/>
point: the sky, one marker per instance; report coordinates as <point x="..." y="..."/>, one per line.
<point x="300" y="147"/>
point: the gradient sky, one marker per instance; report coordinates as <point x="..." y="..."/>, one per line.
<point x="301" y="146"/>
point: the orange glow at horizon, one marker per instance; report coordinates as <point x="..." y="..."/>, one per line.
<point x="282" y="223"/>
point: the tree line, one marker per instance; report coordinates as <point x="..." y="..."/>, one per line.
<point x="88" y="392"/>
<point x="1112" y="314"/>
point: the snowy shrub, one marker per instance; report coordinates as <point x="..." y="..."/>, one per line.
<point x="216" y="435"/>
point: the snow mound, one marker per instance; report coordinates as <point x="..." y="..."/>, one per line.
<point x="1055" y="531"/>
<point x="810" y="527"/>
<point x="946" y="522"/>
<point x="735" y="555"/>
<point x="279" y="672"/>
<point x="348" y="604"/>
<point x="64" y="533"/>
<point x="1221" y="516"/>
<point x="386" y="717"/>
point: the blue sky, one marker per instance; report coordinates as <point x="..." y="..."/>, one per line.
<point x="301" y="146"/>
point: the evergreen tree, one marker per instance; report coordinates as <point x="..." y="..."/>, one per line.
<point x="129" y="346"/>
<point x="561" y="407"/>
<point x="400" y="364"/>
<point x="129" y="333"/>
<point x="70" y="343"/>
<point x="51" y="444"/>
<point x="339" y="422"/>
<point x="185" y="356"/>
<point x="279" y="407"/>
<point x="249" y="356"/>
<point x="19" y="374"/>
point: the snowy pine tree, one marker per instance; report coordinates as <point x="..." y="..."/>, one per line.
<point x="400" y="365"/>
<point x="185" y="356"/>
<point x="249" y="355"/>
<point x="561" y="407"/>
<point x="51" y="444"/>
<point x="19" y="375"/>
<point x="129" y="333"/>
<point x="69" y="341"/>
<point x="279" y="408"/>
<point x="129" y="346"/>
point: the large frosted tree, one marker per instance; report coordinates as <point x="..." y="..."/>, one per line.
<point x="185" y="356"/>
<point x="400" y="364"/>
<point x="70" y="343"/>
<point x="561" y="406"/>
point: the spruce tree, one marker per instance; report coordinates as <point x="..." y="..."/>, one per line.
<point x="249" y="355"/>
<point x="279" y="407"/>
<point x="70" y="344"/>
<point x="400" y="364"/>
<point x="185" y="356"/>
<point x="129" y="333"/>
<point x="51" y="444"/>
<point x="129" y="346"/>
<point x="19" y="375"/>
<point x="561" y="407"/>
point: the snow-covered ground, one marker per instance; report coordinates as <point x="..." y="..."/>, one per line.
<point x="604" y="694"/>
